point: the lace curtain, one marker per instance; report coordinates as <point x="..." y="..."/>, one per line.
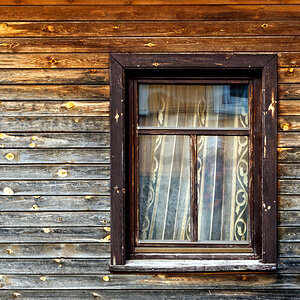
<point x="164" y="162"/>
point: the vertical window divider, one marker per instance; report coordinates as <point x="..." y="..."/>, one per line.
<point x="193" y="198"/>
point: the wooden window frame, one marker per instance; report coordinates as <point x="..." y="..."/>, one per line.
<point x="126" y="69"/>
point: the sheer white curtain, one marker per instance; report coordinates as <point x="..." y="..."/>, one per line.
<point x="164" y="163"/>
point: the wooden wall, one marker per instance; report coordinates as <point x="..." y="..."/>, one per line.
<point x="54" y="141"/>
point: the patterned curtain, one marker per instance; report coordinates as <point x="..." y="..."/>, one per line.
<point x="164" y="162"/>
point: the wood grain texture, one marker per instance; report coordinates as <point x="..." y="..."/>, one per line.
<point x="56" y="187"/>
<point x="151" y="12"/>
<point x="93" y="60"/>
<point x="191" y="294"/>
<point x="53" y="140"/>
<point x="256" y="282"/>
<point x="55" y="251"/>
<point x="54" y="108"/>
<point x="288" y="123"/>
<point x="63" y="235"/>
<point x="289" y="218"/>
<point x="151" y="44"/>
<point x="54" y="92"/>
<point x="289" y="249"/>
<point x="54" y="76"/>
<point x="54" y="203"/>
<point x="54" y="124"/>
<point x="52" y="219"/>
<point x="54" y="60"/>
<point x="288" y="139"/>
<point x="291" y="155"/>
<point x="289" y="202"/>
<point x="148" y="29"/>
<point x="289" y="75"/>
<point x="43" y="156"/>
<point x="289" y="186"/>
<point x="289" y="91"/>
<point x="288" y="171"/>
<point x="42" y="172"/>
<point x="145" y="2"/>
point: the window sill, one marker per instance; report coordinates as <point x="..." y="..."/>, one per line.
<point x="155" y="265"/>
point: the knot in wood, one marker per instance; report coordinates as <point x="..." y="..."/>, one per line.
<point x="8" y="191"/>
<point x="291" y="70"/>
<point x="70" y="105"/>
<point x="265" y="26"/>
<point x="285" y="126"/>
<point x="106" y="278"/>
<point x="9" y="156"/>
<point x="53" y="61"/>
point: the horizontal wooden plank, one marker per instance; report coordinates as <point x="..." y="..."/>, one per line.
<point x="288" y="155"/>
<point x="90" y="266"/>
<point x="181" y="282"/>
<point x="289" y="186"/>
<point x="52" y="219"/>
<point x="54" y="60"/>
<point x="151" y="44"/>
<point x="145" y="2"/>
<point x="54" y="203"/>
<point x="53" y="140"/>
<point x="60" y="172"/>
<point x="289" y="202"/>
<point x="288" y="123"/>
<point x="55" y="124"/>
<point x="54" y="76"/>
<point x="57" y="92"/>
<point x="44" y="156"/>
<point x="288" y="139"/>
<point x="51" y="266"/>
<point x="151" y="12"/>
<point x="289" y="91"/>
<point x="54" y="108"/>
<point x="55" y="187"/>
<point x="147" y="29"/>
<point x="289" y="171"/>
<point x="289" y="218"/>
<point x="56" y="251"/>
<point x="289" y="60"/>
<point x="289" y="249"/>
<point x="289" y="75"/>
<point x="93" y="60"/>
<point x="54" y="235"/>
<point x="152" y="294"/>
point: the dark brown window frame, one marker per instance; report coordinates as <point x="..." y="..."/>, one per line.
<point x="126" y="67"/>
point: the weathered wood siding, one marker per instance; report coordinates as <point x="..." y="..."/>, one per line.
<point x="54" y="139"/>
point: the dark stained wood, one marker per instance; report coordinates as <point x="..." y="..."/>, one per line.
<point x="41" y="172"/>
<point x="151" y="12"/>
<point x="43" y="156"/>
<point x="54" y="108"/>
<point x="57" y="92"/>
<point x="151" y="44"/>
<point x="52" y="219"/>
<point x="54" y="60"/>
<point x="55" y="124"/>
<point x="54" y="203"/>
<point x="54" y="76"/>
<point x="53" y="140"/>
<point x="148" y="29"/>
<point x="56" y="187"/>
<point x="63" y="235"/>
<point x="289" y="202"/>
<point x="55" y="251"/>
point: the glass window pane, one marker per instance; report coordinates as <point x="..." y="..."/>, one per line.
<point x="164" y="187"/>
<point x="222" y="174"/>
<point x="193" y="105"/>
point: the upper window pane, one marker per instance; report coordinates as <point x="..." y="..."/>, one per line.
<point x="193" y="105"/>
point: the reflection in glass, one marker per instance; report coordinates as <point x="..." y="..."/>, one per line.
<point x="193" y="105"/>
<point x="222" y="171"/>
<point x="164" y="187"/>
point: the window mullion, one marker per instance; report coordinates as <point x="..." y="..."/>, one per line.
<point x="193" y="198"/>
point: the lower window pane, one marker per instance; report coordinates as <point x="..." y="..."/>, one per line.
<point x="222" y="174"/>
<point x="164" y="188"/>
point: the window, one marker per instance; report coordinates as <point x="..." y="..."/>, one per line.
<point x="193" y="162"/>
